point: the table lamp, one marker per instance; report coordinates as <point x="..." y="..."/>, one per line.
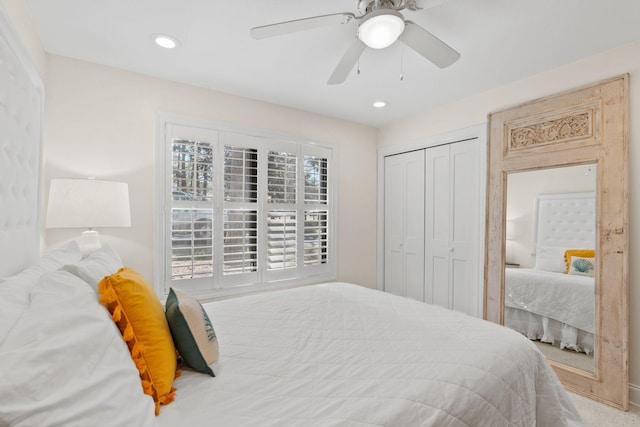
<point x="88" y="203"/>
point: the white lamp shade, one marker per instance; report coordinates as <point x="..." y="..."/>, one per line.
<point x="381" y="28"/>
<point x="88" y="203"/>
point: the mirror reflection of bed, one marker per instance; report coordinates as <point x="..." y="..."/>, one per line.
<point x="550" y="261"/>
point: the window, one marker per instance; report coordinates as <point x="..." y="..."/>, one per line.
<point x="242" y="209"/>
<point x="191" y="213"/>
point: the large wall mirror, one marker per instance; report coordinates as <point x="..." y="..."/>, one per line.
<point x="557" y="238"/>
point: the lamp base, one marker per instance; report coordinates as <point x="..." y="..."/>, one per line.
<point x="89" y="242"/>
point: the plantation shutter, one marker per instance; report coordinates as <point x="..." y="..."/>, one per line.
<point x="281" y="177"/>
<point x="240" y="214"/>
<point x="316" y="227"/>
<point x="282" y="182"/>
<point x="191" y="209"/>
<point x="282" y="237"/>
<point x="240" y="241"/>
<point x="315" y="180"/>
<point x="316" y="213"/>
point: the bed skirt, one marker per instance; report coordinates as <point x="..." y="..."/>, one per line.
<point x="536" y="327"/>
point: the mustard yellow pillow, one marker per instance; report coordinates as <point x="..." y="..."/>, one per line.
<point x="136" y="310"/>
<point x="585" y="253"/>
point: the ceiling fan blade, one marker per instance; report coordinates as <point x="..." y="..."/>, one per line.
<point x="287" y="27"/>
<point x="428" y="45"/>
<point x="348" y="60"/>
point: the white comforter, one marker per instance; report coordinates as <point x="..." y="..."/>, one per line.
<point x="566" y="298"/>
<point x="343" y="355"/>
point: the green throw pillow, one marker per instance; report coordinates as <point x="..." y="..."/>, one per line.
<point x="192" y="331"/>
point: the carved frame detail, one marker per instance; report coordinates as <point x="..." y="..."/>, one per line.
<point x="553" y="131"/>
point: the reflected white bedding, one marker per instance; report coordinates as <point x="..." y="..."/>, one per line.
<point x="566" y="298"/>
<point x="343" y="355"/>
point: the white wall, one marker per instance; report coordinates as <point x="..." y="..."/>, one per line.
<point x="101" y="122"/>
<point x="522" y="189"/>
<point x="474" y="110"/>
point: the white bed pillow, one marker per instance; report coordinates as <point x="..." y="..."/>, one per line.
<point x="15" y="290"/>
<point x="65" y="363"/>
<point x="551" y="258"/>
<point x="68" y="253"/>
<point x="98" y="264"/>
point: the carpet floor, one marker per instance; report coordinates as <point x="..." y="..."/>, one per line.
<point x="597" y="414"/>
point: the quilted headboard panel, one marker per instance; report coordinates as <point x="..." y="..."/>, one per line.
<point x="566" y="220"/>
<point x="21" y="117"/>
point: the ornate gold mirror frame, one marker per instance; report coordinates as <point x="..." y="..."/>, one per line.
<point x="589" y="125"/>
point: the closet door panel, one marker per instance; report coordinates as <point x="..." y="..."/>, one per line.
<point x="464" y="225"/>
<point x="437" y="225"/>
<point x="404" y="224"/>
<point x="394" y="225"/>
<point x="414" y="225"/>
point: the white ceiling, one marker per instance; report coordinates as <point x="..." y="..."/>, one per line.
<point x="500" y="41"/>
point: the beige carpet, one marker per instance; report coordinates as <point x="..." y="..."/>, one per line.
<point x="594" y="413"/>
<point x="599" y="415"/>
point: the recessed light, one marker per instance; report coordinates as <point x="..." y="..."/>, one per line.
<point x="380" y="104"/>
<point x="165" y="41"/>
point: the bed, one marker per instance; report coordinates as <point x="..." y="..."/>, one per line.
<point x="544" y="302"/>
<point x="333" y="354"/>
<point x="341" y="354"/>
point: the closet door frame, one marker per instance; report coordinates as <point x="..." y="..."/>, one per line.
<point x="478" y="132"/>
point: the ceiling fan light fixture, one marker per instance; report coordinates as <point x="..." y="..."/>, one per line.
<point x="381" y="28"/>
<point x="165" y="41"/>
<point x="379" y="104"/>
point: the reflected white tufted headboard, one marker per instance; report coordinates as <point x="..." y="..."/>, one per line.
<point x="21" y="118"/>
<point x="565" y="220"/>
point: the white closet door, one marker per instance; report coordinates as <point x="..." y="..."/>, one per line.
<point x="404" y="224"/>
<point x="437" y="226"/>
<point x="451" y="221"/>
<point x="464" y="226"/>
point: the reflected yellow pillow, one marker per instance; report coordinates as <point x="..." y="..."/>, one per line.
<point x="137" y="311"/>
<point x="585" y="253"/>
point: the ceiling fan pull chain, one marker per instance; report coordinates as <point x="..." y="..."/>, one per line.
<point x="359" y="52"/>
<point x="401" y="63"/>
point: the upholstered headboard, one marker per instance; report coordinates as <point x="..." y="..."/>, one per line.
<point x="21" y="118"/>
<point x="565" y="220"/>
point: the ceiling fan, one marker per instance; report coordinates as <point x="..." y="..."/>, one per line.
<point x="379" y="26"/>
